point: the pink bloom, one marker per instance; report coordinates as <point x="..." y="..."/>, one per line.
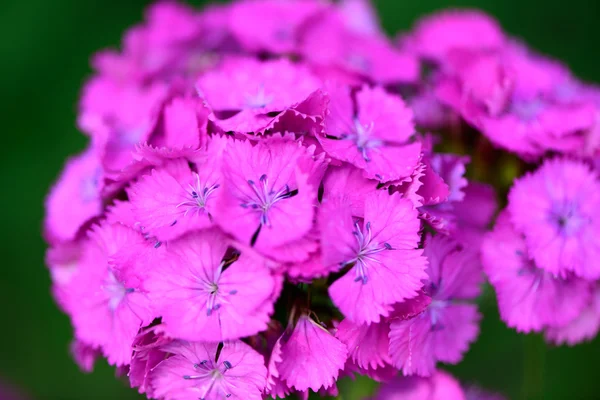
<point x="279" y="23"/>
<point x="334" y="40"/>
<point x="185" y="121"/>
<point x="433" y="189"/>
<point x="360" y="16"/>
<point x="584" y="327"/>
<point x="159" y="48"/>
<point x="376" y="140"/>
<point x="445" y="329"/>
<point x="385" y="266"/>
<point x="435" y="36"/>
<point x="173" y="200"/>
<point x="367" y="344"/>
<point x="529" y="298"/>
<point x="311" y="356"/>
<point x="118" y="117"/>
<point x="207" y="371"/>
<point x="75" y="198"/>
<point x="107" y="305"/>
<point x="265" y="196"/>
<point x="205" y="292"/>
<point x="244" y="93"/>
<point x="147" y="354"/>
<point x="556" y="209"/>
<point x="439" y="386"/>
<point x="347" y="181"/>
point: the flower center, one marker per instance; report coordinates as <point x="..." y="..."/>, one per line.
<point x="265" y="197"/>
<point x="361" y="136"/>
<point x="207" y="371"/>
<point x="115" y="290"/>
<point x="198" y="195"/>
<point x="367" y="248"/>
<point x="215" y="297"/>
<point x="528" y="110"/>
<point x="567" y="219"/>
<point x="258" y="100"/>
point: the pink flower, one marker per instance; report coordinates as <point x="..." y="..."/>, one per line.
<point x="266" y="199"/>
<point x="148" y="352"/>
<point x="436" y="35"/>
<point x="196" y="370"/>
<point x="380" y="250"/>
<point x="377" y="138"/>
<point x="204" y="291"/>
<point x="280" y="23"/>
<point x="185" y="121"/>
<point x="243" y="93"/>
<point x="584" y="327"/>
<point x="174" y="200"/>
<point x="444" y="331"/>
<point x="335" y="41"/>
<point x="556" y="210"/>
<point x="367" y="344"/>
<point x="75" y="198"/>
<point x="107" y="304"/>
<point x="529" y="298"/>
<point x="119" y="116"/>
<point x="311" y="356"/>
<point x="439" y="386"/>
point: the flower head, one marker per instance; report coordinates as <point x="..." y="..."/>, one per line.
<point x="556" y="210"/>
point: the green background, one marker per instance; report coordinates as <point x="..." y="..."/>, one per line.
<point x="45" y="49"/>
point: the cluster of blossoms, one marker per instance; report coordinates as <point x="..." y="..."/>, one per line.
<point x="261" y="212"/>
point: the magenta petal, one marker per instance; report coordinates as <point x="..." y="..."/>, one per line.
<point x="312" y="357"/>
<point x="185" y="123"/>
<point x="75" y="198"/>
<point x="442" y="333"/>
<point x="367" y="344"/>
<point x="440" y="386"/>
<point x="392" y="120"/>
<point x="584" y="327"/>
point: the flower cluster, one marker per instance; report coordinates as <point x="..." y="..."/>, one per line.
<point x="261" y="212"/>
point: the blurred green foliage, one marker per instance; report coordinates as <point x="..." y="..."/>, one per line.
<point x="45" y="47"/>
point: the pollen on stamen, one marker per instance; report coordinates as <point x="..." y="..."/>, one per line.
<point x="227" y="365"/>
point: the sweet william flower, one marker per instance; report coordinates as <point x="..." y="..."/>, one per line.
<point x="377" y="138"/>
<point x="449" y="324"/>
<point x="107" y="304"/>
<point x="529" y="298"/>
<point x="556" y="210"/>
<point x="380" y="250"/>
<point x="173" y="200"/>
<point x="205" y="291"/>
<point x="196" y="370"/>
<point x="75" y="198"/>
<point x="266" y="198"/>
<point x="311" y="356"/>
